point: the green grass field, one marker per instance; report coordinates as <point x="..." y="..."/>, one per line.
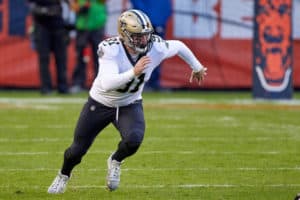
<point x="198" y="145"/>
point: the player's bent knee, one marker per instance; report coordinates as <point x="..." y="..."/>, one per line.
<point x="132" y="146"/>
<point x="74" y="154"/>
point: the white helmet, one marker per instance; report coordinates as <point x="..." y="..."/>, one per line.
<point x="135" y="29"/>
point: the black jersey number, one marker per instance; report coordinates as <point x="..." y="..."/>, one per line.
<point x="136" y="88"/>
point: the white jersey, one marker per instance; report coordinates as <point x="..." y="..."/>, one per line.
<point x="116" y="85"/>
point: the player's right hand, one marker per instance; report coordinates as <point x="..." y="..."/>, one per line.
<point x="141" y="65"/>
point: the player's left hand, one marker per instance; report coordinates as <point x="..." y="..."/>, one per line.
<point x="199" y="76"/>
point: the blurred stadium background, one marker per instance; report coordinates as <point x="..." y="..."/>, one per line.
<point x="220" y="33"/>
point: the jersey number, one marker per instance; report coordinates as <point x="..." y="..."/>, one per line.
<point x="136" y="88"/>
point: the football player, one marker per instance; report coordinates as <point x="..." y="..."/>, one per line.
<point x="126" y="63"/>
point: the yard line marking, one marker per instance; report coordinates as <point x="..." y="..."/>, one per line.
<point x="53" y="100"/>
<point x="193" y="139"/>
<point x="154" y="152"/>
<point x="232" y="185"/>
<point x="58" y="126"/>
<point x="233" y="101"/>
<point x="128" y="186"/>
<point x="22" y="153"/>
<point x="158" y="169"/>
<point x="38" y="140"/>
<point x="14" y="126"/>
<point x="162" y="101"/>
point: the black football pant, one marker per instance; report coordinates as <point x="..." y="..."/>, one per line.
<point x="94" y="117"/>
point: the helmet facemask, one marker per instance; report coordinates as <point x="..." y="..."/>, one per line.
<point x="139" y="42"/>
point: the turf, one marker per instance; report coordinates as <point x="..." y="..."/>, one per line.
<point x="198" y="145"/>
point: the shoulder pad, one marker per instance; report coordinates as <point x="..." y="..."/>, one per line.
<point x="109" y="47"/>
<point x="159" y="44"/>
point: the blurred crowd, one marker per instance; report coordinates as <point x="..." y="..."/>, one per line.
<point x="55" y="20"/>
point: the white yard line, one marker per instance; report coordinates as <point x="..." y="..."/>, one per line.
<point x="20" y="126"/>
<point x="54" y="100"/>
<point x="174" y="139"/>
<point x="79" y="100"/>
<point x="153" y="152"/>
<point x="2" y="170"/>
<point x="193" y="186"/>
<point x="188" y="186"/>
